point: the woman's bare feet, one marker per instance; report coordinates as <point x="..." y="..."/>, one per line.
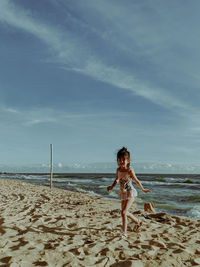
<point x="123" y="235"/>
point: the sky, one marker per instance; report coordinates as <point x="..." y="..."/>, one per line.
<point x="92" y="76"/>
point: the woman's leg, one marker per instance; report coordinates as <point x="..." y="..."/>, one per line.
<point x="126" y="204"/>
<point x="124" y="217"/>
<point x="127" y="207"/>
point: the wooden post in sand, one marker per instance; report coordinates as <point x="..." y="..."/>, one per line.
<point x="51" y="169"/>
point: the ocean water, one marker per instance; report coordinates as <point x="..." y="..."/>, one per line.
<point x="175" y="194"/>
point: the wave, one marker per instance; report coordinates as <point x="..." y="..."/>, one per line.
<point x="102" y="186"/>
<point x="113" y="193"/>
<point x="169" y="194"/>
<point x="105" y="179"/>
<point x="33" y="177"/>
<point x="194" y="198"/>
<point x="194" y="212"/>
<point x="74" y="180"/>
<point x="154" y="183"/>
<point x="89" y="192"/>
<point x="168" y="183"/>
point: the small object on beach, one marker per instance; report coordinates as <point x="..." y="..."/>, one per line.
<point x="149" y="207"/>
<point x="137" y="226"/>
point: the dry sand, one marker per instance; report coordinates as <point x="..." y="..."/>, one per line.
<point x="43" y="227"/>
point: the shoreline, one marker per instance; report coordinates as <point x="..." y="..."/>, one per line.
<point x="43" y="227"/>
<point x="184" y="175"/>
<point x="182" y="199"/>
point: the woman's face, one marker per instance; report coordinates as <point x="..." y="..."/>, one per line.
<point x="122" y="162"/>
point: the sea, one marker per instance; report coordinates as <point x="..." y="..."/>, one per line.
<point x="176" y="194"/>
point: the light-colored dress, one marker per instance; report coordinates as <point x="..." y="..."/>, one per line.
<point x="127" y="189"/>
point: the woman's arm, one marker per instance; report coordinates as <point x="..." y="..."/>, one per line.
<point x="114" y="183"/>
<point x="134" y="177"/>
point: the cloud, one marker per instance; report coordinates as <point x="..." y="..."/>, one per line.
<point x="60" y="165"/>
<point x="66" y="46"/>
<point x="9" y="110"/>
<point x="24" y="20"/>
<point x="125" y="80"/>
<point x="47" y="116"/>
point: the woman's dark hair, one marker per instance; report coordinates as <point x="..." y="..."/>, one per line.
<point x="123" y="152"/>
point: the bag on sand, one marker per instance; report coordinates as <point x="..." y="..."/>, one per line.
<point x="149" y="207"/>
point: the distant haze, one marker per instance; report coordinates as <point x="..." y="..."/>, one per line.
<point x="105" y="168"/>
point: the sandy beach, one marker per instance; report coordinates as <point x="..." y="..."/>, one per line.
<point x="43" y="227"/>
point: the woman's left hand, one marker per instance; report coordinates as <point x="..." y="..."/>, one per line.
<point x="109" y="188"/>
<point x="146" y="190"/>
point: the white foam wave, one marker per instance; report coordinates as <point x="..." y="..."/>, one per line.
<point x="74" y="180"/>
<point x="155" y="183"/>
<point x="113" y="194"/>
<point x="33" y="177"/>
<point x="72" y="184"/>
<point x="102" y="186"/>
<point x="89" y="192"/>
<point x="194" y="212"/>
<point x="107" y="179"/>
<point x="60" y="180"/>
<point x="168" y="184"/>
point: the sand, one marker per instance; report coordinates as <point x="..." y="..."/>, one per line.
<point x="43" y="227"/>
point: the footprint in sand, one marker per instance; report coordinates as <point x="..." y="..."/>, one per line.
<point x="5" y="260"/>
<point x="21" y="243"/>
<point x="75" y="251"/>
<point x="45" y="197"/>
<point x="2" y="231"/>
<point x="40" y="263"/>
<point x="21" y="197"/>
<point x="179" y="250"/>
<point x="159" y="244"/>
<point x="71" y="225"/>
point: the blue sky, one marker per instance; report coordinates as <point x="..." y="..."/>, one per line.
<point x="92" y="76"/>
